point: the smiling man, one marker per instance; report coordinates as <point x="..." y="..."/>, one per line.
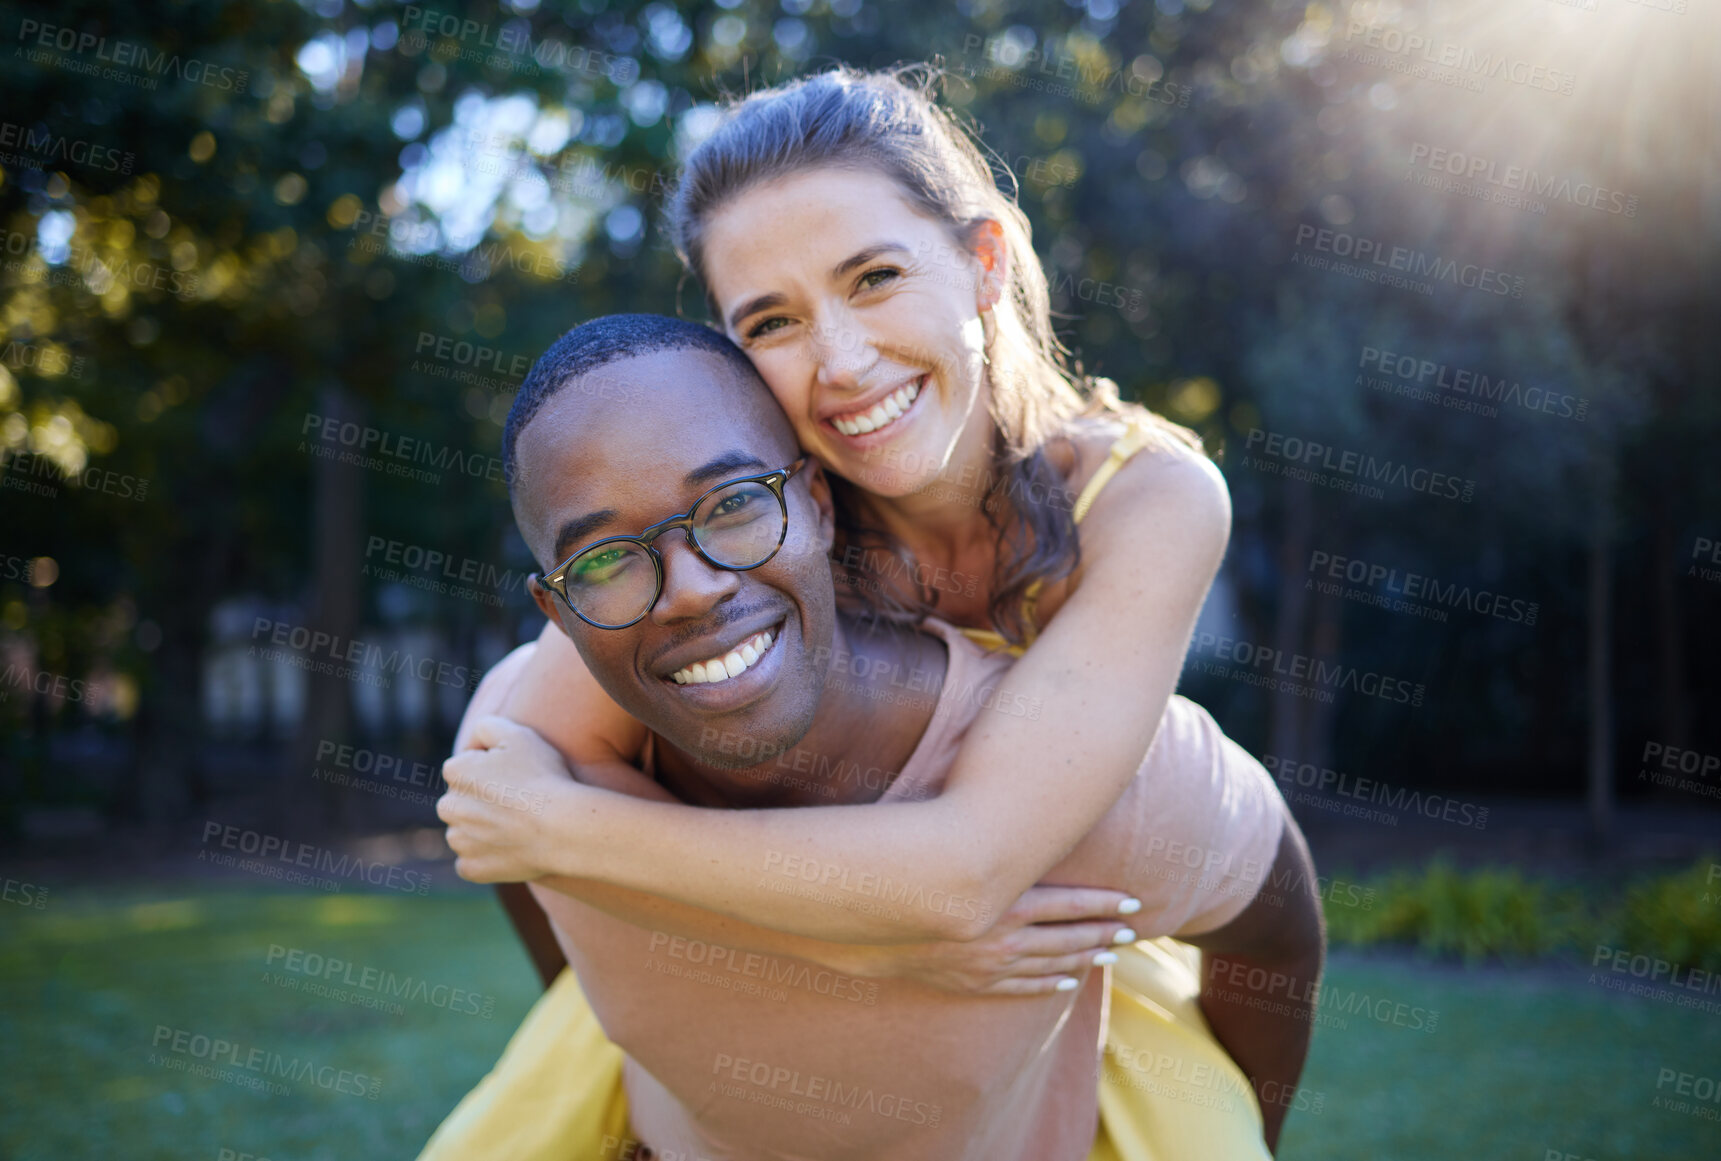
<point x="686" y="541"/>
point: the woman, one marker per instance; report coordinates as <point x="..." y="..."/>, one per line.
<point x="853" y="241"/>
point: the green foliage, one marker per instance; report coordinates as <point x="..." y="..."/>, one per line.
<point x="1493" y="913"/>
<point x="1676" y="917"/>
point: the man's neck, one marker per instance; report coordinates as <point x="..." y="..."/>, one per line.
<point x="881" y="687"/>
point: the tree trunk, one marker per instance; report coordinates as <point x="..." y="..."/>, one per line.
<point x="337" y="529"/>
<point x="1601" y="725"/>
<point x="1285" y="713"/>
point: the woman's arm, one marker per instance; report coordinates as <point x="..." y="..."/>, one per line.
<point x="1022" y="792"/>
<point x="1051" y="934"/>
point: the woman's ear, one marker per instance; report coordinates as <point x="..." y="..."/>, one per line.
<point x="990" y="249"/>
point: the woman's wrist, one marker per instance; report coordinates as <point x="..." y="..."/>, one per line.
<point x="564" y="847"/>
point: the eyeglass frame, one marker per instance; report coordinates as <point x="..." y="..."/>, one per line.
<point x="556" y="579"/>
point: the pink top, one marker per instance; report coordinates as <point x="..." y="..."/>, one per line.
<point x="733" y="1055"/>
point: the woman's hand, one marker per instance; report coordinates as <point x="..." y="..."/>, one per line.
<point x="496" y="798"/>
<point x="1041" y="944"/>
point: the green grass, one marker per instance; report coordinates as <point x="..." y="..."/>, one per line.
<point x="1522" y="1060"/>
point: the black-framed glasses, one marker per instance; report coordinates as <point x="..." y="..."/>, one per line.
<point x="738" y="525"/>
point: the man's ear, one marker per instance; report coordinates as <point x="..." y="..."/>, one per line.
<point x="547" y="603"/>
<point x="990" y="249"/>
<point x="819" y="489"/>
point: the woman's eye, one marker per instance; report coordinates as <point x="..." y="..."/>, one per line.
<point x="765" y="327"/>
<point x="873" y="279"/>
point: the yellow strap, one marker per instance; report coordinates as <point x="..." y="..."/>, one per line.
<point x="1138" y="434"/>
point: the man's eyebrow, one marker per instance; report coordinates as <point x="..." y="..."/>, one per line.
<point x="718" y="468"/>
<point x="729" y="463"/>
<point x="577" y="531"/>
<point x="771" y="299"/>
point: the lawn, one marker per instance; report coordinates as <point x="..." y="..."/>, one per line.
<point x="98" y="986"/>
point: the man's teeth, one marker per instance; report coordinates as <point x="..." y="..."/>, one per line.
<point x="732" y="664"/>
<point x="883" y="414"/>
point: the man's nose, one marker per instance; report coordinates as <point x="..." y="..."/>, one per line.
<point x="691" y="586"/>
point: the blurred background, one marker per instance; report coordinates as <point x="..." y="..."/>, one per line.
<point x="1439" y="285"/>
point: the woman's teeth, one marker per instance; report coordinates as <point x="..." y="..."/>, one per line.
<point x="732" y="664"/>
<point x="883" y="414"/>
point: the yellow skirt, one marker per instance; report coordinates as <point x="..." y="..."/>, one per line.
<point x="1168" y="1091"/>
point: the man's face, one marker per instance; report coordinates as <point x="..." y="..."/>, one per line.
<point x="649" y="437"/>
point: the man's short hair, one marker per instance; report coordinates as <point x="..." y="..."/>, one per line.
<point x="594" y="344"/>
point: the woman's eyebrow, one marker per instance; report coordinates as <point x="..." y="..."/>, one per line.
<point x="862" y="257"/>
<point x="772" y="298"/>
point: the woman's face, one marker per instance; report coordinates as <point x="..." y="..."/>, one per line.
<point x="863" y="316"/>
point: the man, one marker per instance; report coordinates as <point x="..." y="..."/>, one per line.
<point x="631" y="419"/>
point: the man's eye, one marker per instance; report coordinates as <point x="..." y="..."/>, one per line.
<point x="600" y="566"/>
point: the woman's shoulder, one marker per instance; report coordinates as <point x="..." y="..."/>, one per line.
<point x="1157" y="459"/>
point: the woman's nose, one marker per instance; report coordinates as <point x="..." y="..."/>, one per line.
<point x="842" y="352"/>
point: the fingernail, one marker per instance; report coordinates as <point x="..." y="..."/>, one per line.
<point x="1067" y="984"/>
<point x="1104" y="958"/>
<point x="1129" y="907"/>
<point x="1124" y="936"/>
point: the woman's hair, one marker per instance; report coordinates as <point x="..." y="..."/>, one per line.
<point x="888" y="121"/>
